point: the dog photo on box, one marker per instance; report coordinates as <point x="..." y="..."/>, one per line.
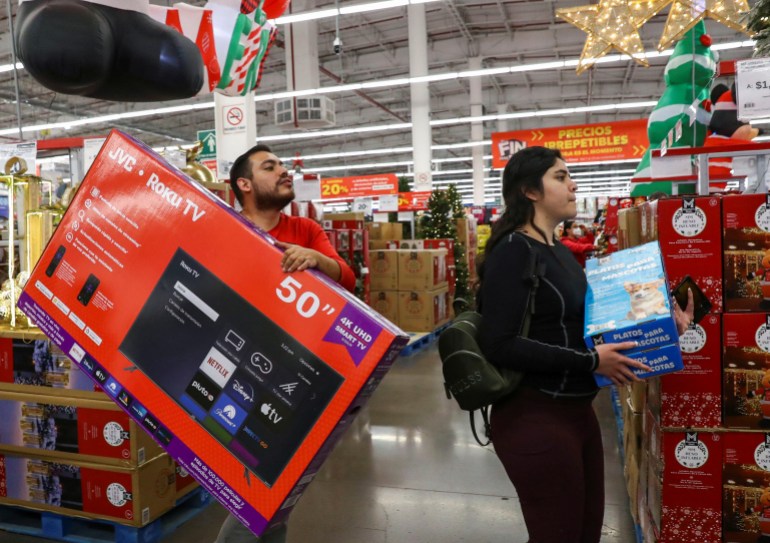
<point x="627" y="300"/>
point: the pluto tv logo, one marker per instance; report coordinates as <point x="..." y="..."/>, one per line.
<point x="202" y="390"/>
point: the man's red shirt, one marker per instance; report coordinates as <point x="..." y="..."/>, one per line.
<point x="308" y="233"/>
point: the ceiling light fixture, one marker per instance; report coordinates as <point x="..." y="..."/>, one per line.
<point x="379" y="84"/>
<point x="348" y="10"/>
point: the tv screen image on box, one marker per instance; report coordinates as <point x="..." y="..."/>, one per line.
<point x="247" y="382"/>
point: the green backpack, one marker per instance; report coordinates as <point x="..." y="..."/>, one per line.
<point x="473" y="381"/>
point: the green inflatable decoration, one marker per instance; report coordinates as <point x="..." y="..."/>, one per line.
<point x="688" y="77"/>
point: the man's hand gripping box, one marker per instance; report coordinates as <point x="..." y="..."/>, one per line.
<point x="628" y="300"/>
<point x="179" y="309"/>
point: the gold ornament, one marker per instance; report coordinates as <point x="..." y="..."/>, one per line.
<point x="612" y="24"/>
<point x="685" y="14"/>
<point x="6" y="308"/>
<point x="195" y="169"/>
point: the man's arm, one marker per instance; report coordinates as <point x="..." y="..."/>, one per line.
<point x="317" y="253"/>
<point x="298" y="258"/>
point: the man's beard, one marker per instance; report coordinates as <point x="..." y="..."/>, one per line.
<point x="271" y="200"/>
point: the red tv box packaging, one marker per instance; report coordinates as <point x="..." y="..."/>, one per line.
<point x="26" y="365"/>
<point x="132" y="496"/>
<point x="179" y="309"/>
<point x="72" y="428"/>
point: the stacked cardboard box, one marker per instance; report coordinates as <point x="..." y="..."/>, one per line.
<point x="66" y="447"/>
<point x="72" y="429"/>
<point x="410" y="287"/>
<point x="133" y="496"/>
<point x="423" y="297"/>
<point x="35" y="367"/>
<point x="678" y="491"/>
<point x="420" y="245"/>
<point x="704" y="475"/>
<point x="383" y="231"/>
<point x="348" y="234"/>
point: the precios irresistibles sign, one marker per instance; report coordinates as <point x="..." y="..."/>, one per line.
<point x="579" y="143"/>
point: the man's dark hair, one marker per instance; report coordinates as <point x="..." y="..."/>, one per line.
<point x="242" y="168"/>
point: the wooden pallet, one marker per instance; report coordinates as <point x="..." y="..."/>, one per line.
<point x="49" y="525"/>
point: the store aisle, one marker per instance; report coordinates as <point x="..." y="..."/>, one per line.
<point x="409" y="471"/>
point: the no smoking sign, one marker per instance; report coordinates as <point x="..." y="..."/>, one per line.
<point x="235" y="118"/>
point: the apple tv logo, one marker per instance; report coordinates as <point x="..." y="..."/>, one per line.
<point x="272" y="414"/>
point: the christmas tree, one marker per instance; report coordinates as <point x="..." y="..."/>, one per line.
<point x="444" y="207"/>
<point x="462" y="274"/>
<point x="688" y="76"/>
<point x="438" y="223"/>
<point x="759" y="24"/>
<point x="455" y="202"/>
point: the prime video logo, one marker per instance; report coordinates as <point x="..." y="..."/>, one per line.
<point x="227" y="414"/>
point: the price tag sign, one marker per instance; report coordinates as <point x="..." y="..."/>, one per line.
<point x="389" y="202"/>
<point x="362" y="205"/>
<point x="752" y="84"/>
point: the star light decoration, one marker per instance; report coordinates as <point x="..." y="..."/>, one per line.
<point x="612" y="24"/>
<point x="685" y="14"/>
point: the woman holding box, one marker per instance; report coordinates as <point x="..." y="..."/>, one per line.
<point x="546" y="433"/>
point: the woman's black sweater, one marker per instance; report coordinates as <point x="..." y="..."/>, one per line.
<point x="553" y="357"/>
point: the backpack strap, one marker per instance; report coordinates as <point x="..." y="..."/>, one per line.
<point x="487" y="427"/>
<point x="533" y="272"/>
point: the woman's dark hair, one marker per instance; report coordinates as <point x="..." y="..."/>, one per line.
<point x="566" y="227"/>
<point x="524" y="172"/>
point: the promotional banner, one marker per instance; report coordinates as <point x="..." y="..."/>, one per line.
<point x="578" y="143"/>
<point x="413" y="201"/>
<point x="362" y="185"/>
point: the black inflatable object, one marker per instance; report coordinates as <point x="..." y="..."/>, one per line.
<point x="76" y="47"/>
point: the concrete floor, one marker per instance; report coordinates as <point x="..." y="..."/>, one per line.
<point x="409" y="471"/>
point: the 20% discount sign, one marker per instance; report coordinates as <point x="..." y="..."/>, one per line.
<point x="334" y="188"/>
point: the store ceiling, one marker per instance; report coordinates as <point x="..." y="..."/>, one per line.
<point x="375" y="47"/>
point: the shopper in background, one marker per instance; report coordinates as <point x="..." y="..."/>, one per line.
<point x="578" y="240"/>
<point x="262" y="186"/>
<point x="546" y="433"/>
